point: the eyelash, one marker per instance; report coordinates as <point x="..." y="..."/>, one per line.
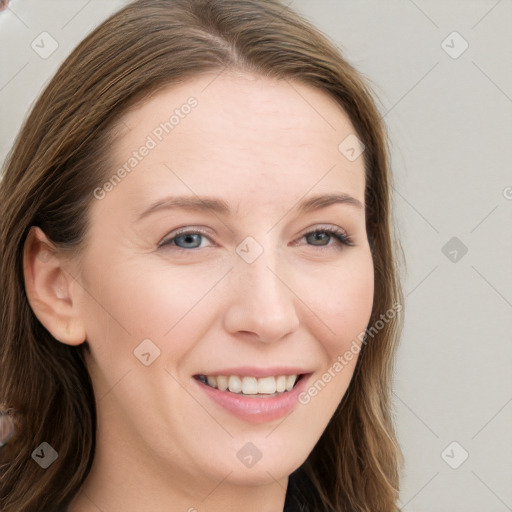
<point x="337" y="233"/>
<point x="342" y="237"/>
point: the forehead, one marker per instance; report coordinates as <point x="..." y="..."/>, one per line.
<point x="231" y="133"/>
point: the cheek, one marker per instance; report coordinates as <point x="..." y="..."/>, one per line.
<point x="344" y="306"/>
<point x="135" y="301"/>
<point x="168" y="298"/>
<point x="343" y="300"/>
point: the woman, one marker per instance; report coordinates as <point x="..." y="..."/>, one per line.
<point x="199" y="288"/>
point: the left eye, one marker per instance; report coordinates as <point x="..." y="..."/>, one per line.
<point x="322" y="237"/>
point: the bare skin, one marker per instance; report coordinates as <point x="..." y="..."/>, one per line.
<point x="262" y="147"/>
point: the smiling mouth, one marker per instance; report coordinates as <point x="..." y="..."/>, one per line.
<point x="251" y="386"/>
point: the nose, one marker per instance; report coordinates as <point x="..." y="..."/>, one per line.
<point x="262" y="304"/>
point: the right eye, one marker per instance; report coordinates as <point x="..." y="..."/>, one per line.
<point x="185" y="240"/>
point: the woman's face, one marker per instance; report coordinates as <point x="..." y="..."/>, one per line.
<point x="207" y="265"/>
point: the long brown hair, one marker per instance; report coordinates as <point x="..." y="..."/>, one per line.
<point x="62" y="154"/>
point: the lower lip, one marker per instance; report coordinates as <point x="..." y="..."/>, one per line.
<point x="258" y="409"/>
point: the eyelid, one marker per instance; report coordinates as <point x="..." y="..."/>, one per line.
<point x="325" y="227"/>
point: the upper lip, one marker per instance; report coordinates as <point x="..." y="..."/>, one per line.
<point x="252" y="371"/>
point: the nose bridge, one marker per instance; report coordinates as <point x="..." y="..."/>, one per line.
<point x="263" y="304"/>
<point x="263" y="280"/>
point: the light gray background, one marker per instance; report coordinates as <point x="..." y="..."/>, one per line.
<point x="450" y="123"/>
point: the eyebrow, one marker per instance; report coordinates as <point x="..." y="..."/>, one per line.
<point x="221" y="207"/>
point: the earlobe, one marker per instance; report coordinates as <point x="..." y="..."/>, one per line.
<point x="49" y="291"/>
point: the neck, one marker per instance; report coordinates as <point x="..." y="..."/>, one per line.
<point x="124" y="480"/>
<point x="102" y="492"/>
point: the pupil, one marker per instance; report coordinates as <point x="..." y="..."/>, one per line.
<point x="320" y="237"/>
<point x="191" y="239"/>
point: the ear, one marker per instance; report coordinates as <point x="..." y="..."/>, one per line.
<point x="49" y="287"/>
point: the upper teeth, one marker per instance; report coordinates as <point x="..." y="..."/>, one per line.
<point x="251" y="385"/>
